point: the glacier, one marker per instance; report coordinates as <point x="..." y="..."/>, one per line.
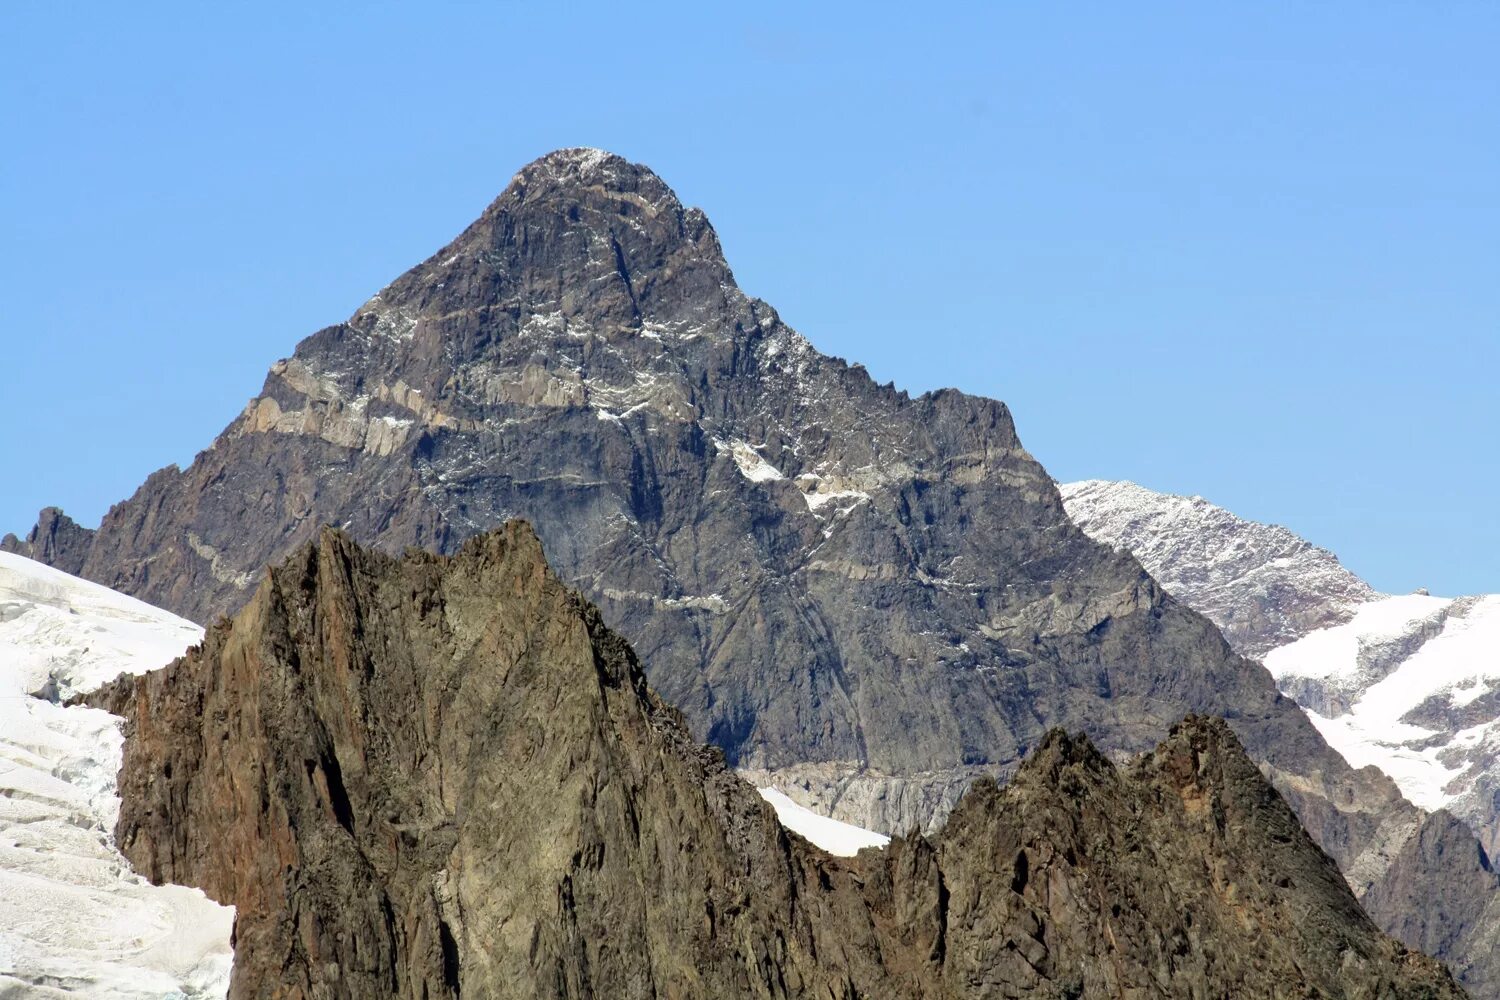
<point x="833" y="836"/>
<point x="74" y="919"/>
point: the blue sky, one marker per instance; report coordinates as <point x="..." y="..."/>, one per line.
<point x="1246" y="252"/>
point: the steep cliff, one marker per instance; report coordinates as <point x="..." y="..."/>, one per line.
<point x="438" y="777"/>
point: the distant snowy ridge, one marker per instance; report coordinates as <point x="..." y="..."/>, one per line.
<point x="1409" y="684"/>
<point x="1260" y="583"/>
<point x="74" y="919"/>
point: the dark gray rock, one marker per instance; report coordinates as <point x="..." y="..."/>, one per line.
<point x="1442" y="895"/>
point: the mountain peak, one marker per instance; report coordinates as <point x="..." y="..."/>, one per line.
<point x="585" y="163"/>
<point x="577" y="180"/>
<point x="56" y="540"/>
<point x="580" y="238"/>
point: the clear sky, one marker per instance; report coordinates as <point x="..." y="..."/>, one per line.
<point x="1246" y="251"/>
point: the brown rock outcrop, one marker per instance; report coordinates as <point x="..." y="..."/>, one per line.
<point x="443" y="776"/>
<point x="56" y="540"/>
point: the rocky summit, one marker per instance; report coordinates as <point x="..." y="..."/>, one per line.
<point x="865" y="598"/>
<point x="434" y="777"/>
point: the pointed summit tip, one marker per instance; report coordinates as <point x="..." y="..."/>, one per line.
<point x="585" y="166"/>
<point x="583" y="175"/>
<point x="582" y="160"/>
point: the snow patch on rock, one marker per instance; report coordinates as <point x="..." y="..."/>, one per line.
<point x="842" y="839"/>
<point x="749" y="461"/>
<point x="1400" y="688"/>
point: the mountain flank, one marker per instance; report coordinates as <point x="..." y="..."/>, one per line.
<point x="1263" y="585"/>
<point x="438" y="777"/>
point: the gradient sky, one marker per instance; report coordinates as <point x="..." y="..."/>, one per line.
<point x="1249" y="253"/>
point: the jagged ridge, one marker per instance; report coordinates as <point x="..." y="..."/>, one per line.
<point x="434" y="777"/>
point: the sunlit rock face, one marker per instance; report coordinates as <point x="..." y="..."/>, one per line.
<point x="1261" y="584"/>
<point x="434" y="777"/>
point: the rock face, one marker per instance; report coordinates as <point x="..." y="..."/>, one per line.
<point x="1442" y="895"/>
<point x="1408" y="684"/>
<point x="1261" y="584"/>
<point x="56" y="540"/>
<point x="442" y="777"/>
<point x="868" y="598"/>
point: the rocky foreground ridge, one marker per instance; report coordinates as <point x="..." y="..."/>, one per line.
<point x="438" y="777"/>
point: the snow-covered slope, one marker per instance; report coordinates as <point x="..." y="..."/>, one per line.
<point x="1412" y="686"/>
<point x="843" y="839"/>
<point x="1261" y="584"/>
<point x="74" y="920"/>
<point x="1409" y="684"/>
<point x="75" y="634"/>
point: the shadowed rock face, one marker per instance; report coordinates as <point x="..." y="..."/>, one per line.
<point x="1442" y="895"/>
<point x="871" y="598"/>
<point x="442" y="777"/>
